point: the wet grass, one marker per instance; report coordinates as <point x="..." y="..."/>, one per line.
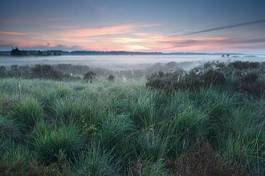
<point x="123" y="128"/>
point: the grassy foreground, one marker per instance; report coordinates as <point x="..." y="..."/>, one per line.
<point x="123" y="128"/>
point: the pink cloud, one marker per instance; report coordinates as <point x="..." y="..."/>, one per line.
<point x="11" y="33"/>
<point x="127" y="37"/>
<point x="99" y="31"/>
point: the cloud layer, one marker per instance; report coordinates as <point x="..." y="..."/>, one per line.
<point x="129" y="37"/>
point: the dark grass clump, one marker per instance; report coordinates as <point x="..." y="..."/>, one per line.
<point x="61" y="168"/>
<point x="15" y="160"/>
<point x="27" y="113"/>
<point x="218" y="124"/>
<point x="49" y="142"/>
<point x="147" y="167"/>
<point x="184" y="131"/>
<point x="6" y="104"/>
<point x="9" y="129"/>
<point x="114" y="128"/>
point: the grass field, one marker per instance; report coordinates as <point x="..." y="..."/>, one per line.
<point x="108" y="128"/>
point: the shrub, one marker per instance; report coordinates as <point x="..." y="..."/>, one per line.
<point x="249" y="83"/>
<point x="197" y="78"/>
<point x="90" y="76"/>
<point x="166" y="81"/>
<point x="49" y="142"/>
<point x="46" y="72"/>
<point x="3" y="72"/>
<point x="249" y="78"/>
<point x="213" y="77"/>
<point x="98" y="163"/>
<point x="244" y="65"/>
<point x="111" y="78"/>
<point x="27" y="112"/>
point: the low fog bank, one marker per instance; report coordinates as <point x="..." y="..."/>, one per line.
<point x="120" y="69"/>
<point x="72" y="72"/>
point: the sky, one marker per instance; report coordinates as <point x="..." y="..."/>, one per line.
<point x="134" y="25"/>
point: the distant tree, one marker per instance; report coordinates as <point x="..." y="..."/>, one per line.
<point x="15" y="52"/>
<point x="90" y="76"/>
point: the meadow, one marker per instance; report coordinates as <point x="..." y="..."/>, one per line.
<point x="207" y="122"/>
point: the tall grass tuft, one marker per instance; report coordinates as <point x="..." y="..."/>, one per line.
<point x="15" y="160"/>
<point x="48" y="142"/>
<point x="96" y="162"/>
<point x="27" y="112"/>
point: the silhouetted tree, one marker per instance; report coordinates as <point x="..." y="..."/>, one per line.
<point x="15" y="52"/>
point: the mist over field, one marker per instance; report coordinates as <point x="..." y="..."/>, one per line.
<point x="132" y="88"/>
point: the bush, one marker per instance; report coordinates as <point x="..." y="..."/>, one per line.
<point x="244" y="65"/>
<point x="195" y="79"/>
<point x="49" y="142"/>
<point x="213" y="77"/>
<point x="27" y="113"/>
<point x="46" y="72"/>
<point x="3" y="72"/>
<point x="249" y="78"/>
<point x="250" y="84"/>
<point x="166" y="81"/>
<point x="89" y="76"/>
<point x="111" y="78"/>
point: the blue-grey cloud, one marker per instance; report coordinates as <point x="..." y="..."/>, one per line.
<point x="227" y="27"/>
<point x="221" y="42"/>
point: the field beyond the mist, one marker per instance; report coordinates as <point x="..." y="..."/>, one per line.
<point x="171" y="124"/>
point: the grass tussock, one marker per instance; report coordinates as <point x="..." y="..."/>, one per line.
<point x="27" y="113"/>
<point x="50" y="142"/>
